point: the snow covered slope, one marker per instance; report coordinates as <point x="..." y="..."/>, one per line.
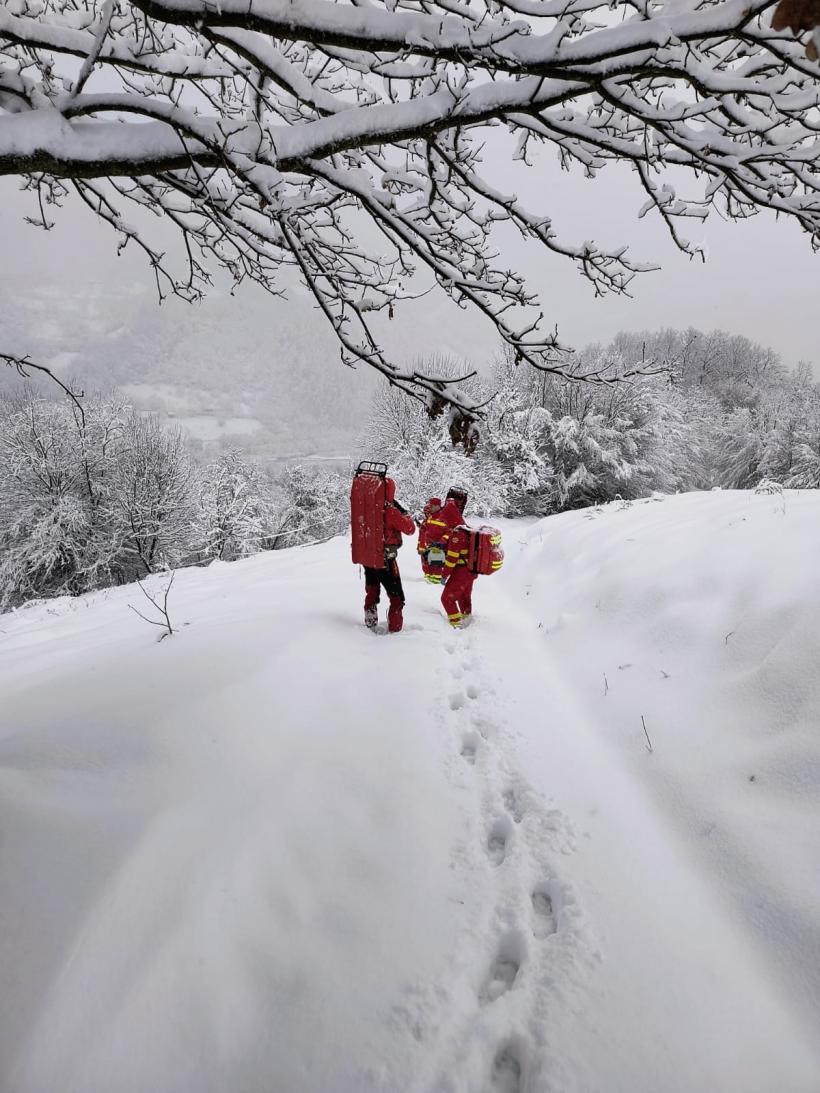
<point x="275" y="853"/>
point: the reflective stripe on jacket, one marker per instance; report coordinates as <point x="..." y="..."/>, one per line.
<point x="431" y="532"/>
<point x="458" y="546"/>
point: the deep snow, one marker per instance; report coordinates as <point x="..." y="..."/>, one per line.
<point x="275" y="853"/>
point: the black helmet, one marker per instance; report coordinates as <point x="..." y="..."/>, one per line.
<point x="458" y="495"/>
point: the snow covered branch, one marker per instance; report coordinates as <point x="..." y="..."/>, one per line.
<point x="24" y="366"/>
<point x="360" y="143"/>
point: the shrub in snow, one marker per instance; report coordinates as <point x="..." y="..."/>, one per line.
<point x="805" y="471"/>
<point x="308" y="504"/>
<point x="88" y="497"/>
<point x="739" y="451"/>
<point x="235" y="507"/>
<point x="767" y="486"/>
<point x="151" y="495"/>
<point x="57" y="534"/>
<point x="44" y="551"/>
<point x="566" y="446"/>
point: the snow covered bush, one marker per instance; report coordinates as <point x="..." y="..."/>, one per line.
<point x="44" y="552"/>
<point x="738" y="450"/>
<point x="151" y="495"/>
<point x="565" y="446"/>
<point x="235" y="507"/>
<point x="89" y="495"/>
<point x="766" y="486"/>
<point x="309" y="504"/>
<point x="56" y="529"/>
<point x="770" y="438"/>
<point x="805" y="471"/>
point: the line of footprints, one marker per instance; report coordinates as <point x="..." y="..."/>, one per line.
<point x="511" y="953"/>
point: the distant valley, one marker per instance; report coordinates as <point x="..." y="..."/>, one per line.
<point x="251" y="370"/>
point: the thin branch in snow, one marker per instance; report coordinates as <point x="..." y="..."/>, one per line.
<point x="646" y="734"/>
<point x="161" y="608"/>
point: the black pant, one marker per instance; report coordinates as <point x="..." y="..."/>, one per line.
<point x="389" y="579"/>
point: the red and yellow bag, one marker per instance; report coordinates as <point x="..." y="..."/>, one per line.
<point x="484" y="553"/>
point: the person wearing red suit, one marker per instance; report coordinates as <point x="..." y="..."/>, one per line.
<point x="396" y="522"/>
<point x="430" y="545"/>
<point x="452" y="514"/>
<point x="457" y="597"/>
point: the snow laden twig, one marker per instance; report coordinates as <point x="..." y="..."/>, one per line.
<point x="359" y="144"/>
<point x="161" y="608"/>
<point x="23" y="365"/>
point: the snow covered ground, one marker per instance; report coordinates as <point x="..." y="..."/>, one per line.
<point x="274" y="853"/>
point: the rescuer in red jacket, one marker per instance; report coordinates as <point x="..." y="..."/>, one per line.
<point x="457" y="597"/>
<point x="431" y="545"/>
<point x="396" y="521"/>
<point x="452" y="514"/>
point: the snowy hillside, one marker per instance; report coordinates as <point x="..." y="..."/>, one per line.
<point x="276" y="853"/>
<point x="288" y="391"/>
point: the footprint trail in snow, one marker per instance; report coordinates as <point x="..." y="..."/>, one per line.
<point x="525" y="930"/>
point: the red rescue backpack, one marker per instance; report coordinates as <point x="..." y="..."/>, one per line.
<point x="368" y="495"/>
<point x="484" y="553"/>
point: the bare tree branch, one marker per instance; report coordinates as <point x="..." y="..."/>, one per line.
<point x="279" y="134"/>
<point x="24" y="366"/>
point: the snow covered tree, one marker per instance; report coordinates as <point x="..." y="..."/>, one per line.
<point x="762" y="441"/>
<point x="804" y="473"/>
<point x="56" y="534"/>
<point x="234" y="507"/>
<point x="421" y="457"/>
<point x="151" y="495"/>
<point x="729" y="366"/>
<point x="310" y="504"/>
<point x="345" y="140"/>
<point x="566" y="445"/>
<point x="698" y="439"/>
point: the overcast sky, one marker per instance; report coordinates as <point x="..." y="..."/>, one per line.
<point x="761" y="278"/>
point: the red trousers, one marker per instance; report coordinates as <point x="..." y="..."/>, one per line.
<point x="457" y="597"/>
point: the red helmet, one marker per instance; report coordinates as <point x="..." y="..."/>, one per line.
<point x="433" y="505"/>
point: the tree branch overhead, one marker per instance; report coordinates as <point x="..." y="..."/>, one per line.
<point x="271" y="132"/>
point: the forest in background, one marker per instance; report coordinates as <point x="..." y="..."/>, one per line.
<point x="101" y="493"/>
<point x="714" y="411"/>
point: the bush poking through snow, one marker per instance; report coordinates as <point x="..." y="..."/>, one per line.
<point x="159" y="607"/>
<point x="767" y="486"/>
